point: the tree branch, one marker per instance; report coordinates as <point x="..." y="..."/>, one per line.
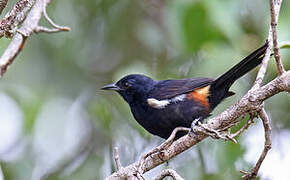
<point x="14" y="17"/>
<point x="275" y="8"/>
<point x="161" y="147"/>
<point x="272" y="28"/>
<point x="268" y="144"/>
<point x="3" y="4"/>
<point x="29" y="26"/>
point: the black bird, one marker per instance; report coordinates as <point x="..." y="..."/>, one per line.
<point x="161" y="106"/>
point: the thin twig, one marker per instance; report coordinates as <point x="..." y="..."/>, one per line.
<point x="168" y="141"/>
<point x="39" y="29"/>
<point x="234" y="123"/>
<point x="117" y="159"/>
<point x="61" y="28"/>
<point x="244" y="128"/>
<point x="268" y="144"/>
<point x="173" y="135"/>
<point x="221" y="134"/>
<point x="263" y="68"/>
<point x="275" y="8"/>
<point x="168" y="172"/>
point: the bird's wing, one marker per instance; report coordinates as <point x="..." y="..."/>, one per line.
<point x="168" y="89"/>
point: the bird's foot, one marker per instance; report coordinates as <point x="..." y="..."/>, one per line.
<point x="203" y="128"/>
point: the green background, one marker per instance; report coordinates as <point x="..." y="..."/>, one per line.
<point x="68" y="126"/>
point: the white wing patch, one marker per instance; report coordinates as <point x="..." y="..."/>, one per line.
<point x="157" y="104"/>
<point x="163" y="103"/>
<point x="178" y="98"/>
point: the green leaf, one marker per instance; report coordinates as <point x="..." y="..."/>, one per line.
<point x="285" y="45"/>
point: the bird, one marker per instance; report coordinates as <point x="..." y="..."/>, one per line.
<point x="160" y="106"/>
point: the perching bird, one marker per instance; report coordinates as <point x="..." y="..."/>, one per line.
<point x="161" y="106"/>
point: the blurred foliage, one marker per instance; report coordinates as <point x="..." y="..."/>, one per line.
<point x="109" y="38"/>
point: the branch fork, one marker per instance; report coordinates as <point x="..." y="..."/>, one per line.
<point x="57" y="28"/>
<point x="275" y="8"/>
<point x="160" y="148"/>
<point x="267" y="146"/>
<point x="15" y="17"/>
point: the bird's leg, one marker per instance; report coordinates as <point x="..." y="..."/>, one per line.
<point x="194" y="125"/>
<point x="195" y="122"/>
<point x="194" y="128"/>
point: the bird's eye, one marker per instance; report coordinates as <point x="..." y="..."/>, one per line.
<point x="127" y="84"/>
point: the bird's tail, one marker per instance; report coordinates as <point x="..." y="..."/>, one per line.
<point x="220" y="87"/>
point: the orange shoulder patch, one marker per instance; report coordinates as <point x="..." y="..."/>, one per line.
<point x="200" y="95"/>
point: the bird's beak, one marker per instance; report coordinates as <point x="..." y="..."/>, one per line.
<point x="113" y="87"/>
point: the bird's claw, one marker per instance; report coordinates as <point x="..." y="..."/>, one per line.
<point x="202" y="128"/>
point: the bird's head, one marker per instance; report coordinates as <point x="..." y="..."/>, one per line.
<point x="133" y="88"/>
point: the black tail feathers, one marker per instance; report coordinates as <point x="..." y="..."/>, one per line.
<point x="221" y="85"/>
